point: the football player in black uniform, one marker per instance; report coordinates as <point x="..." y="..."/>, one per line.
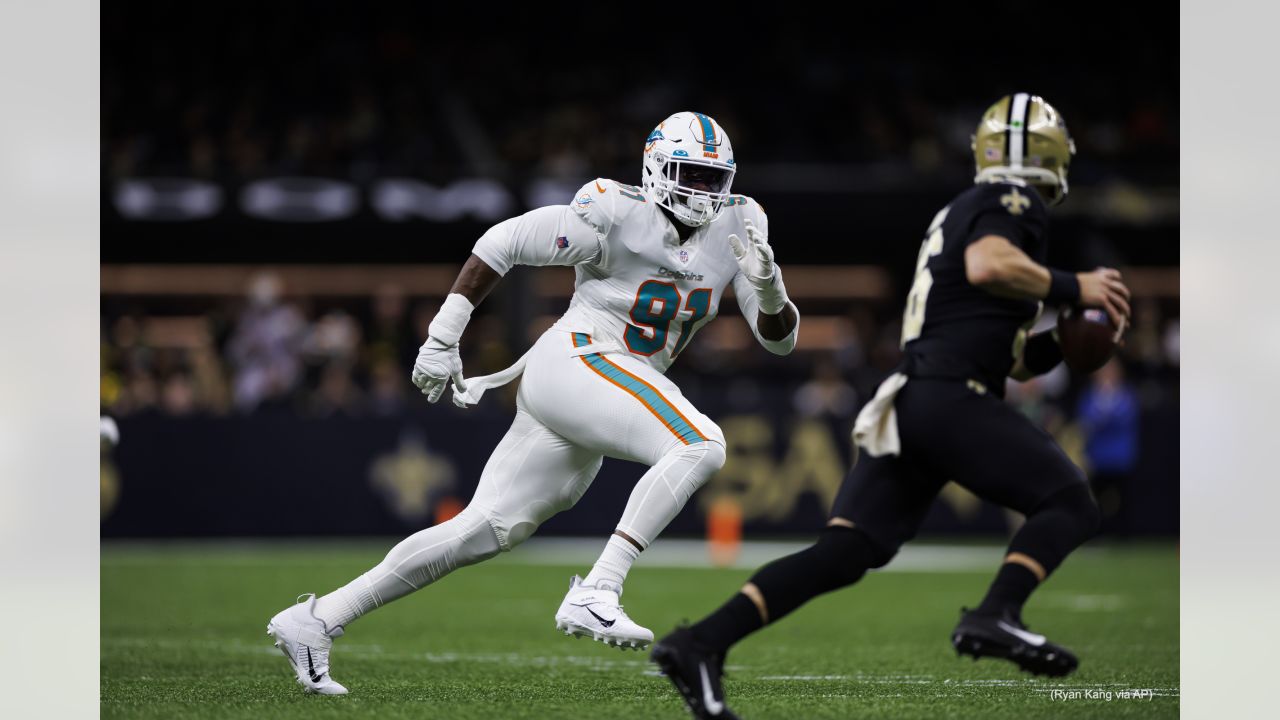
<point x="979" y="286"/>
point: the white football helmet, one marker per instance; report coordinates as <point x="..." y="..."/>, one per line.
<point x="688" y="167"/>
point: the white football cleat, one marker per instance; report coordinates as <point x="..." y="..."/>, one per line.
<point x="303" y="638"/>
<point x="594" y="612"/>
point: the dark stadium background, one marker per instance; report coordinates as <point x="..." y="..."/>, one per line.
<point x="337" y="162"/>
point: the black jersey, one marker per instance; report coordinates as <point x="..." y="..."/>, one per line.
<point x="950" y="328"/>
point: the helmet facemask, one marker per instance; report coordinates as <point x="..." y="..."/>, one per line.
<point x="694" y="192"/>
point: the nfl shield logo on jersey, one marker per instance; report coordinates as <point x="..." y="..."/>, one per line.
<point x="684" y="256"/>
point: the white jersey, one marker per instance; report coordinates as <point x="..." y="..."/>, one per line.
<point x="639" y="286"/>
<point x="647" y="291"/>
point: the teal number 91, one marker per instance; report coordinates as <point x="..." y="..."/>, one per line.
<point x="655" y="307"/>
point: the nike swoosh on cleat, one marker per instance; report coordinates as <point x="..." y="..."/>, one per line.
<point x="708" y="698"/>
<point x="606" y="623"/>
<point x="599" y="188"/>
<point x="311" y="669"/>
<point x="1028" y="637"/>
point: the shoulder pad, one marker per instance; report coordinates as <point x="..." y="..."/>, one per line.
<point x="594" y="204"/>
<point x="603" y="202"/>
<point x="1017" y="199"/>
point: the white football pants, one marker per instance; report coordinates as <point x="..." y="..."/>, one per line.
<point x="574" y="407"/>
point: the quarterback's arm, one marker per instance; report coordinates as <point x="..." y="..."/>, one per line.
<point x="1038" y="355"/>
<point x="996" y="265"/>
<point x="777" y="333"/>
<point x="1001" y="268"/>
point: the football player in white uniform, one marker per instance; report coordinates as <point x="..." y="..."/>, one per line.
<point x="652" y="264"/>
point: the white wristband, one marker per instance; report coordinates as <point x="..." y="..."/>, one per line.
<point x="773" y="299"/>
<point x="452" y="319"/>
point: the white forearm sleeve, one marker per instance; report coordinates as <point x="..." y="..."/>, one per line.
<point x="750" y="306"/>
<point x="552" y="235"/>
<point x="451" y="320"/>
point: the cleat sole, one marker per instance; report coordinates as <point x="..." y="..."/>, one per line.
<point x="1027" y="659"/>
<point x="577" y="631"/>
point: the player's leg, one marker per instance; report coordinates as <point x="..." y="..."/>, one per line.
<point x="681" y="461"/>
<point x="532" y="474"/>
<point x="880" y="506"/>
<point x="623" y="408"/>
<point x="656" y="499"/>
<point x="1004" y="458"/>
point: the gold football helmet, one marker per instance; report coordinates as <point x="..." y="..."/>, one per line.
<point x="1025" y="137"/>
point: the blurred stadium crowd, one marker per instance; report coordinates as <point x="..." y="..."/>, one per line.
<point x="364" y="93"/>
<point x="269" y="352"/>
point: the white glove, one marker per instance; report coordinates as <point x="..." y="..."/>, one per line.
<point x="755" y="259"/>
<point x="438" y="359"/>
<point x="437" y="363"/>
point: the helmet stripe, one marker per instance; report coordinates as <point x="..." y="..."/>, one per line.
<point x="1018" y="128"/>
<point x="708" y="132"/>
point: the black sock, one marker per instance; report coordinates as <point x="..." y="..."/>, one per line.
<point x="734" y="620"/>
<point x="1012" y="587"/>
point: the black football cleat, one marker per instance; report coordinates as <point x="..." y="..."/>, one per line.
<point x="1004" y="636"/>
<point x="696" y="673"/>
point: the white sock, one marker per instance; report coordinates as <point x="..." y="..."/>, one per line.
<point x="614" y="562"/>
<point x="347" y="603"/>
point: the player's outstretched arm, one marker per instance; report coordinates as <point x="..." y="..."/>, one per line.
<point x="439" y="359"/>
<point x="547" y="236"/>
<point x="762" y="296"/>
<point x="1001" y="268"/>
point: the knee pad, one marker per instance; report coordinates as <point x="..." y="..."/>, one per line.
<point x="1059" y="524"/>
<point x="841" y="552"/>
<point x="663" y="491"/>
<point x="517" y="511"/>
<point x="850" y="552"/>
<point x="1075" y="503"/>
<point x="713" y="456"/>
<point x="712" y="432"/>
<point x="428" y="555"/>
<point x="696" y="463"/>
<point x="841" y="557"/>
<point x="476" y="539"/>
<point x="514" y="524"/>
<point x="515" y="516"/>
<point x="688" y="467"/>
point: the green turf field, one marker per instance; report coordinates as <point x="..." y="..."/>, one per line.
<point x="183" y="635"/>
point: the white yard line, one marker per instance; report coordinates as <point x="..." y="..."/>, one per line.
<point x="551" y="551"/>
<point x="1082" y="602"/>
<point x="604" y="663"/>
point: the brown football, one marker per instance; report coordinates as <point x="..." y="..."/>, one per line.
<point x="1087" y="338"/>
